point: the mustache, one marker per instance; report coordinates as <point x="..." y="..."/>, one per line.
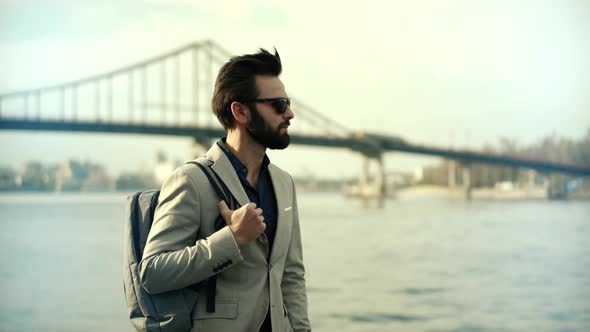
<point x="285" y="124"/>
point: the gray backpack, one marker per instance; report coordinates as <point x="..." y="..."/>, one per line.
<point x="169" y="311"/>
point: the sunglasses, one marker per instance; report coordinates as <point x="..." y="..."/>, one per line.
<point x="280" y="104"/>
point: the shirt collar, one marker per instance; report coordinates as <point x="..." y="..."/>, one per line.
<point x="236" y="163"/>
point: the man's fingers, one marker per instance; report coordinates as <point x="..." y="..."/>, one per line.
<point x="248" y="220"/>
<point x="222" y="206"/>
<point x="225" y="212"/>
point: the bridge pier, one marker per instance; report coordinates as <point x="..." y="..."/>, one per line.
<point x="364" y="176"/>
<point x="372" y="189"/>
<point x="467" y="180"/>
<point x="466" y="186"/>
<point x="531" y="174"/>
<point x="452" y="166"/>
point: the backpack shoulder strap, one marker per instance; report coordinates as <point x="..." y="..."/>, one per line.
<point x="220" y="188"/>
<point x="224" y="194"/>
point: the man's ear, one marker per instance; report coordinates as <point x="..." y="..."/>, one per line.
<point x="240" y="112"/>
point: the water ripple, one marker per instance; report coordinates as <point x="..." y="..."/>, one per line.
<point x="321" y="290"/>
<point x="380" y="318"/>
<point x="469" y="328"/>
<point x="421" y="291"/>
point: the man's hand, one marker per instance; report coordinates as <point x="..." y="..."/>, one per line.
<point x="246" y="223"/>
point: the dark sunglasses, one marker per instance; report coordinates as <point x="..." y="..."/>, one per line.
<point x="280" y="104"/>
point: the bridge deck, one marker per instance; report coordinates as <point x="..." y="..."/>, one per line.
<point x="368" y="144"/>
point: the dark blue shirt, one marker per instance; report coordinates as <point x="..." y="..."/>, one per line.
<point x="263" y="196"/>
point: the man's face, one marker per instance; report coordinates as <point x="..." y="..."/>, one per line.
<point x="267" y="126"/>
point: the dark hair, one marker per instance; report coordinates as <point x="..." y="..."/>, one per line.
<point x="236" y="81"/>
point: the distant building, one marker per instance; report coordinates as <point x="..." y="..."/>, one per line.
<point x="7" y="178"/>
<point x="33" y="176"/>
<point x="135" y="182"/>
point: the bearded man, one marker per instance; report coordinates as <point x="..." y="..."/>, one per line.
<point x="257" y="257"/>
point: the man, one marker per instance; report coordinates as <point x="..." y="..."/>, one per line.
<point x="258" y="256"/>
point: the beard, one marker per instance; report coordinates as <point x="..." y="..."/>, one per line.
<point x="266" y="136"/>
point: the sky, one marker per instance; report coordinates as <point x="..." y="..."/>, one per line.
<point x="443" y="73"/>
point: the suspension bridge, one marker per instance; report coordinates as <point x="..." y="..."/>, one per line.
<point x="170" y="94"/>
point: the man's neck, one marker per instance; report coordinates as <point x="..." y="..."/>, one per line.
<point x="248" y="151"/>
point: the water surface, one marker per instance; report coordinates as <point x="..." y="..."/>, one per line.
<point x="419" y="264"/>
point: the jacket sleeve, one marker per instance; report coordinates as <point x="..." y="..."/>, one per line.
<point x="293" y="284"/>
<point x="173" y="258"/>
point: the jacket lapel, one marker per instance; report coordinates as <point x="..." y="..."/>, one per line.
<point x="282" y="188"/>
<point x="223" y="167"/>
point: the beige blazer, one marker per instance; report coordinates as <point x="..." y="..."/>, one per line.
<point x="183" y="249"/>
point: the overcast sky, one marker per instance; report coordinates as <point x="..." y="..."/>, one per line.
<point x="434" y="72"/>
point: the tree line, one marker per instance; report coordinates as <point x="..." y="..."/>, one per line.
<point x="550" y="148"/>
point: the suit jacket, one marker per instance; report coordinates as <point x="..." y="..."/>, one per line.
<point x="183" y="249"/>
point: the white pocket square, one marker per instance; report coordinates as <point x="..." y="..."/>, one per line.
<point x="288" y="208"/>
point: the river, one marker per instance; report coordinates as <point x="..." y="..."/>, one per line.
<point x="422" y="263"/>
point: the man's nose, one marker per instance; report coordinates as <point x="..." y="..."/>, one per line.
<point x="289" y="113"/>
